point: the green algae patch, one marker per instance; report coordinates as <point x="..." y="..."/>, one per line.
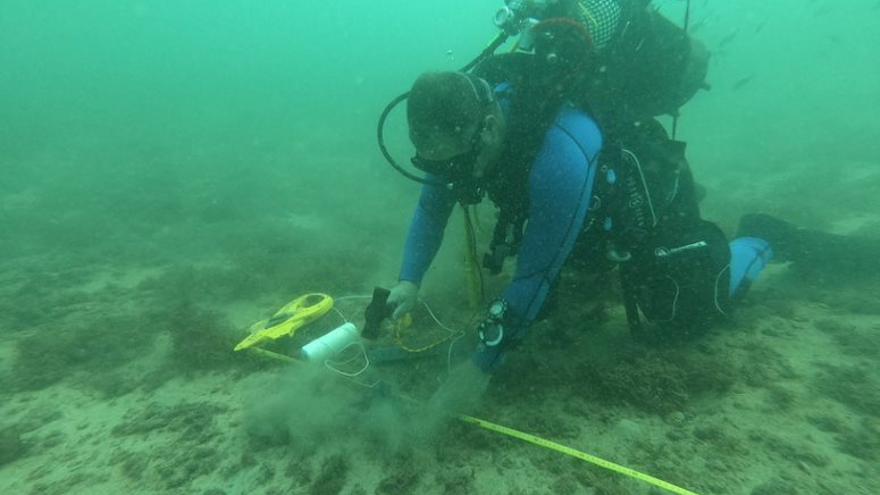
<point x="97" y="347"/>
<point x="12" y="447"/>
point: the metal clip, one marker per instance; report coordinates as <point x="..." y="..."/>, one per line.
<point x="662" y="252"/>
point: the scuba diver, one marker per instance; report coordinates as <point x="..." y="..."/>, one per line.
<point x="576" y="186"/>
<point x="563" y="191"/>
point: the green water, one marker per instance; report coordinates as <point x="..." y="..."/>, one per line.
<point x="172" y="171"/>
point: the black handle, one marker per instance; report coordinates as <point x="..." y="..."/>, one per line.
<point x="376" y="313"/>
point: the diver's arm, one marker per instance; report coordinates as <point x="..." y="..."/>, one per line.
<point x="426" y="231"/>
<point x="561" y="185"/>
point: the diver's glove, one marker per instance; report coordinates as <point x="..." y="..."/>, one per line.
<point x="403" y="298"/>
<point x="495" y="333"/>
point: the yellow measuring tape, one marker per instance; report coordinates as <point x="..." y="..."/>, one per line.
<point x="547" y="444"/>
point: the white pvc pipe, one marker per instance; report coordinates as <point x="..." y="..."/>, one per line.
<point x="331" y="344"/>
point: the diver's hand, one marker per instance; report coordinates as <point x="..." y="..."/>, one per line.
<point x="403" y="298"/>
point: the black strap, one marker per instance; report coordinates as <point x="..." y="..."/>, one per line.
<point x="630" y="302"/>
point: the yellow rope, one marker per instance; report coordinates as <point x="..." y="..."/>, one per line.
<point x="588" y="17"/>
<point x="398" y="329"/>
<point x="473" y="271"/>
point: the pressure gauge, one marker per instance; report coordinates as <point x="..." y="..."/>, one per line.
<point x="498" y="309"/>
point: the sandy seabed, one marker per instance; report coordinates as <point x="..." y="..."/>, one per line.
<point x="119" y="378"/>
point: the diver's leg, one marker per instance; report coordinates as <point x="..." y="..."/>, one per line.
<point x="813" y="250"/>
<point x="778" y="233"/>
<point x="748" y="258"/>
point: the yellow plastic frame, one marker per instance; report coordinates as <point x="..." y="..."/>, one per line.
<point x="287" y="320"/>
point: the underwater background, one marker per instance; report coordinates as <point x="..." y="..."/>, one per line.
<point x="173" y="171"/>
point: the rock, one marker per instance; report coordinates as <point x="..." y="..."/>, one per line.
<point x="675" y="418"/>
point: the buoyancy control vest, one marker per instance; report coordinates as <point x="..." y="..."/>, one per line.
<point x="674" y="265"/>
<point x="644" y="218"/>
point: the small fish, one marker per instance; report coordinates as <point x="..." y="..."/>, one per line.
<point x="727" y="39"/>
<point x="738" y="85"/>
<point x="697" y="26"/>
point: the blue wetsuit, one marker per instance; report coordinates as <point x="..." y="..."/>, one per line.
<point x="560" y="190"/>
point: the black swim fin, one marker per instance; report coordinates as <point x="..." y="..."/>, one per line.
<point x="814" y="250"/>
